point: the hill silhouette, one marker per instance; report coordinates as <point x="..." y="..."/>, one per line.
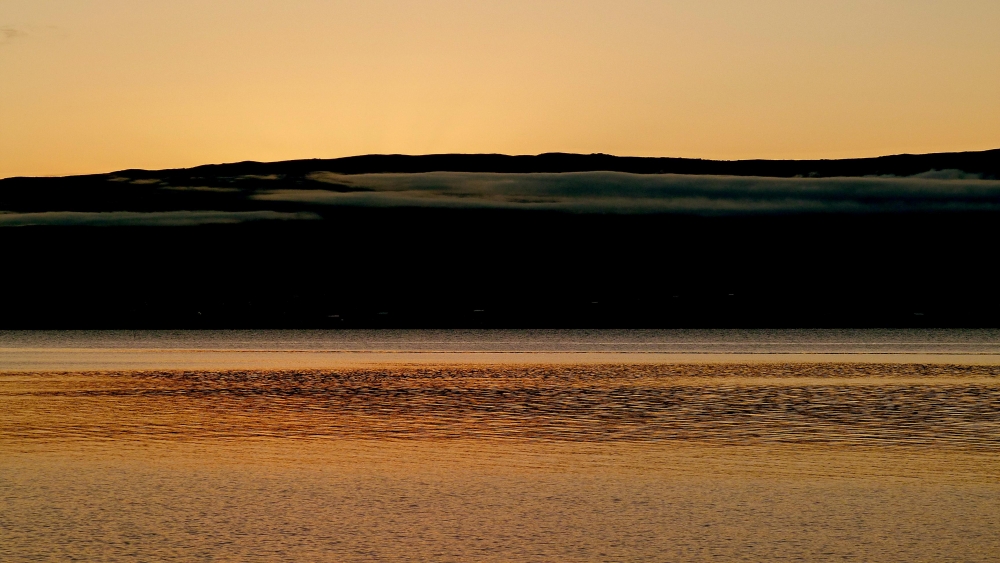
<point x="554" y="240"/>
<point x="981" y="162"/>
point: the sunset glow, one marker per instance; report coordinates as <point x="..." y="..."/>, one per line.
<point x="93" y="87"/>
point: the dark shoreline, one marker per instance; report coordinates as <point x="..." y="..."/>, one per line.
<point x="444" y="267"/>
<point x="448" y="269"/>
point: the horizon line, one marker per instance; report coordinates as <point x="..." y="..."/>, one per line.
<point x="505" y="155"/>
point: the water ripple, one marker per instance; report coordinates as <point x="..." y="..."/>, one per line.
<point x="850" y="404"/>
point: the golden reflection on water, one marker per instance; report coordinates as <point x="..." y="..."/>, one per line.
<point x="944" y="406"/>
<point x="815" y="462"/>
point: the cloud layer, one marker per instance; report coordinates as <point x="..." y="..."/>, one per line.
<point x="154" y="219"/>
<point x="616" y="192"/>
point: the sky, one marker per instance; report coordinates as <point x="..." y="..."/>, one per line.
<point x="101" y="85"/>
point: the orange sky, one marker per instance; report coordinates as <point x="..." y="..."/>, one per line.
<point x="91" y="86"/>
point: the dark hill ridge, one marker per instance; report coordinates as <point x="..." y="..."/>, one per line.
<point x="315" y="243"/>
<point x="986" y="163"/>
<point x="649" y="185"/>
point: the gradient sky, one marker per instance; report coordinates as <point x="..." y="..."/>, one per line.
<point x="93" y="86"/>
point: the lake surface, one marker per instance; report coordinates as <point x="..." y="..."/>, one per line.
<point x="303" y="349"/>
<point x="500" y="445"/>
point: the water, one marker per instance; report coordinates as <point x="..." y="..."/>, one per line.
<point x="942" y="406"/>
<point x="500" y="445"/>
<point x="762" y="341"/>
<point x="318" y="349"/>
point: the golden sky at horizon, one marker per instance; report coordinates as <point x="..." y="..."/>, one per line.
<point x="94" y="86"/>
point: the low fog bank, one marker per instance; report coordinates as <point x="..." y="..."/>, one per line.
<point x="193" y="197"/>
<point x="151" y="219"/>
<point x="618" y="192"/>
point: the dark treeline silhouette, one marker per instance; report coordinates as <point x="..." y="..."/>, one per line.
<point x="441" y="267"/>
